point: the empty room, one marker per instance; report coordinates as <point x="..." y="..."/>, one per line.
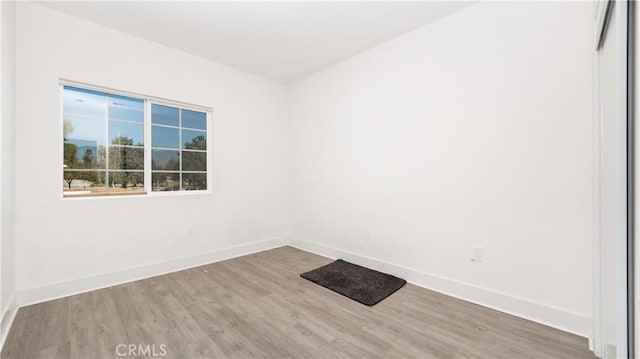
<point x="318" y="179"/>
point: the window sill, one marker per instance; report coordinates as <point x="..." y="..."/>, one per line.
<point x="90" y="196"/>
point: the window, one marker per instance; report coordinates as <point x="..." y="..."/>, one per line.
<point x="179" y="149"/>
<point x="118" y="145"/>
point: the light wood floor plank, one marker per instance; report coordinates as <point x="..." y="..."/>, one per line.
<point x="257" y="306"/>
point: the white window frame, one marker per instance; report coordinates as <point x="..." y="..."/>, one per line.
<point x="148" y="101"/>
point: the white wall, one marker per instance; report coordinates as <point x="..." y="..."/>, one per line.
<point x="60" y="241"/>
<point x="7" y="89"/>
<point x="473" y="130"/>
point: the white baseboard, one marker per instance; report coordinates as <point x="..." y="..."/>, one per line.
<point x="558" y="318"/>
<point x="6" y="320"/>
<point x="64" y="289"/>
<point x="554" y="317"/>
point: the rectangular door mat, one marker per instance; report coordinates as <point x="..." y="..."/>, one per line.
<point x="361" y="284"/>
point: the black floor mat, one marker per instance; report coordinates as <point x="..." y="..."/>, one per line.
<point x="361" y="284"/>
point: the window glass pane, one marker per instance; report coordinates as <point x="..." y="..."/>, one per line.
<point x="85" y="130"/>
<point x="194" y="140"/>
<point x="194" y="161"/>
<point x="126" y="182"/>
<point x="126" y="108"/>
<point x="84" y="103"/>
<point x="83" y="183"/>
<point x="165" y="137"/>
<point x="165" y="160"/>
<point x="81" y="154"/>
<point x="125" y="133"/>
<point x="126" y="158"/>
<point x="194" y="181"/>
<point x="194" y="119"/>
<point x="164" y="181"/>
<point x="164" y="115"/>
<point x="82" y="136"/>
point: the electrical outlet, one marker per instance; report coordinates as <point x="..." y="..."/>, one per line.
<point x="190" y="232"/>
<point x="477" y="253"/>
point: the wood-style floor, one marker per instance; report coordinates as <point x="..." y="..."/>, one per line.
<point x="257" y="306"/>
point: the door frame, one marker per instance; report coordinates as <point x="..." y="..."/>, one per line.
<point x="624" y="27"/>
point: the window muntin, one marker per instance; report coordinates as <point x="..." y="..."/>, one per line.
<point x="178" y="128"/>
<point x="106" y="141"/>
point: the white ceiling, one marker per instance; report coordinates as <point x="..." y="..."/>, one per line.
<point x="284" y="41"/>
